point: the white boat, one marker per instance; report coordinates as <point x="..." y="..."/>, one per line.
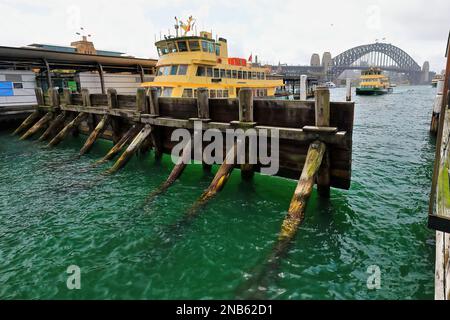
<point x="330" y="84"/>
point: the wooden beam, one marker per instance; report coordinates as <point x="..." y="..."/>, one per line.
<point x="154" y="101"/>
<point x="67" y="129"/>
<point x="203" y="104"/>
<point x="27" y="123"/>
<point x="39" y="96"/>
<point x="40" y="124"/>
<point x="131" y="150"/>
<point x="142" y="101"/>
<point x="54" y="126"/>
<point x="101" y="126"/>
<point x="246" y="105"/>
<point x="133" y="131"/>
<point x="322" y="111"/>
<point x="296" y="212"/>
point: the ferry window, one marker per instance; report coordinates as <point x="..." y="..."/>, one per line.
<point x="225" y="94"/>
<point x="201" y="71"/>
<point x="211" y="47"/>
<point x="204" y="46"/>
<point x="209" y="72"/>
<point x="187" y="93"/>
<point x="171" y="47"/>
<point x="173" y="70"/>
<point x="182" y="46"/>
<point x="166" y="70"/>
<point x="244" y="75"/>
<point x="234" y="72"/>
<point x="228" y="73"/>
<point x="194" y="46"/>
<point x="159" y="52"/>
<point x="216" y="73"/>
<point x="167" y="92"/>
<point x="212" y="93"/>
<point x="182" y="70"/>
<point x="239" y="74"/>
<point x="217" y="50"/>
<point x="222" y="73"/>
<point x="159" y="72"/>
<point x="219" y="94"/>
<point x="253" y="75"/>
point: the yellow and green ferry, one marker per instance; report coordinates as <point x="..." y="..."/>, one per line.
<point x="187" y="63"/>
<point x="373" y="82"/>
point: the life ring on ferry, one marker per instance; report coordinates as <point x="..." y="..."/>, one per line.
<point x="219" y="60"/>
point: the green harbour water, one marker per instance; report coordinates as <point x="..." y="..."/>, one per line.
<point x="57" y="210"/>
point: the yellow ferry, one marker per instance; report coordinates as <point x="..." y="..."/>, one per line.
<point x="373" y="82"/>
<point x="187" y="63"/>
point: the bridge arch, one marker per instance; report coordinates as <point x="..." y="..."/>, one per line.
<point x="403" y="60"/>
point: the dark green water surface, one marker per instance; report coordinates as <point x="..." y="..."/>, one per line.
<point x="56" y="211"/>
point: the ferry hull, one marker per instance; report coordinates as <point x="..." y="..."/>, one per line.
<point x="372" y="91"/>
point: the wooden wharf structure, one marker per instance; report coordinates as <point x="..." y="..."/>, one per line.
<point x="439" y="209"/>
<point x="315" y="137"/>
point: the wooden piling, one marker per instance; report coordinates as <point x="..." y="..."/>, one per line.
<point x="67" y="97"/>
<point x="176" y="171"/>
<point x="153" y="101"/>
<point x="131" y="150"/>
<point x="67" y="129"/>
<point x="39" y="96"/>
<point x="27" y="123"/>
<point x="142" y="104"/>
<point x="303" y="88"/>
<point x="54" y="126"/>
<point x="101" y="126"/>
<point x="133" y="131"/>
<point x="348" y="89"/>
<point x="203" y="104"/>
<point x="246" y="117"/>
<point x="40" y="124"/>
<point x="53" y="94"/>
<point x="303" y="191"/>
<point x="322" y="108"/>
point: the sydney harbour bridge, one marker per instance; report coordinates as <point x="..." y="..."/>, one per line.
<point x="382" y="55"/>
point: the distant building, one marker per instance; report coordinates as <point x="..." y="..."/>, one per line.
<point x="315" y="60"/>
<point x="426" y="72"/>
<point x="82" y="46"/>
<point x="327" y="60"/>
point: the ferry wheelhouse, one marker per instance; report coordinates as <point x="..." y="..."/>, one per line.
<point x="373" y="82"/>
<point x="187" y="63"/>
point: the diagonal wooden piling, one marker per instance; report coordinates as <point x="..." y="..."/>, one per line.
<point x="294" y="218"/>
<point x="27" y="123"/>
<point x="176" y="171"/>
<point x="132" y="132"/>
<point x="40" y="124"/>
<point x="54" y="126"/>
<point x="219" y="181"/>
<point x="101" y="126"/>
<point x="131" y="150"/>
<point x="67" y="129"/>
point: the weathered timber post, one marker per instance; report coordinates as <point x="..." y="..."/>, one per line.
<point x="53" y="94"/>
<point x="219" y="181"/>
<point x="67" y="97"/>
<point x="176" y="171"/>
<point x="67" y="129"/>
<point x="27" y="123"/>
<point x="54" y="126"/>
<point x="86" y="97"/>
<point x="101" y="126"/>
<point x="133" y="131"/>
<point x="40" y="124"/>
<point x="245" y="123"/>
<point x="154" y="102"/>
<point x="322" y="108"/>
<point x="142" y="104"/>
<point x="303" y="88"/>
<point x="203" y="104"/>
<point x="134" y="145"/>
<point x="202" y="115"/>
<point x="437" y="107"/>
<point x="348" y="89"/>
<point x="296" y="212"/>
<point x="39" y="96"/>
<point x="113" y="103"/>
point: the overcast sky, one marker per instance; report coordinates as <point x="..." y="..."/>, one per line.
<point x="286" y="31"/>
